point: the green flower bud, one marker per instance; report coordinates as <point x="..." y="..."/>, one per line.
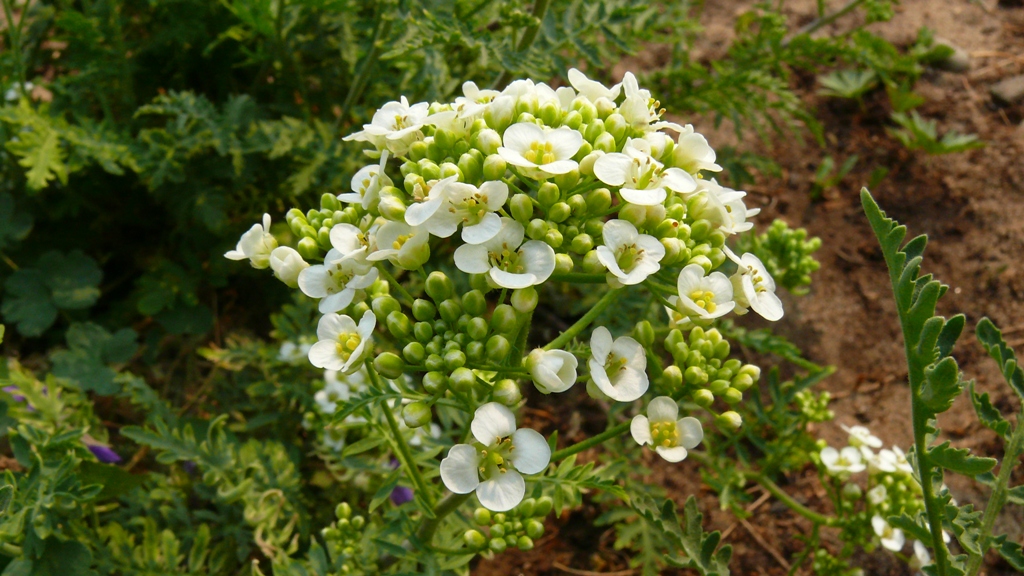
<point x="702" y="261"/>
<point x="434" y="382"/>
<point x="741" y="382"/>
<point x="428" y="170"/>
<point x="329" y="202"/>
<point x="449" y="169"/>
<point x="477" y="329"/>
<point x="594" y="129"/>
<point x="435" y="153"/>
<point x="323" y="237"/>
<point x="634" y="214"/>
<point x="462" y="379"/>
<point x="398" y="324"/>
<point x="729" y="421"/>
<point x="357" y="310"/>
<point x="553" y="238"/>
<point x="522" y="208"/>
<point x="606" y="143"/>
<point x="751" y="370"/>
<point x="391" y="207"/>
<point x="717" y="386"/>
<point x="700" y="229"/>
<point x="644" y="333"/>
<point x="470" y="168"/>
<point x="434" y="362"/>
<point x="568" y="180"/>
<point x="588" y="161"/>
<point x="482" y="516"/>
<point x="563" y="263"/>
<point x="423" y="331"/>
<point x="487" y="141"/>
<point x="433" y="347"/>
<point x="525" y="116"/>
<point x="507" y="392"/>
<point x="409" y="168"/>
<point x="673" y="376"/>
<point x="343" y="510"/>
<point x="525" y="508"/>
<point x="525" y="543"/>
<point x="414" y="353"/>
<point x="732" y="396"/>
<point x="667" y="228"/>
<point x="497" y="545"/>
<point x="550" y="113"/>
<point x="423" y="310"/>
<point x="582" y="244"/>
<point x="294" y="214"/>
<point x="591" y="264"/>
<point x="503" y="319"/>
<point x="497" y="348"/>
<point x="385" y="305"/>
<point x="525" y="299"/>
<point x="544" y="506"/>
<point x="852" y="492"/>
<point x="309" y="249"/>
<point x="695" y="376"/>
<point x="418" y="151"/>
<point x="438" y="286"/>
<point x="604" y="107"/>
<point x="330" y="534"/>
<point x="587" y="110"/>
<point x="494" y="167"/>
<point x="578" y="205"/>
<point x="615" y="124"/>
<point x="474" y="539"/>
<point x="416" y="414"/>
<point x="454" y="359"/>
<point x="475" y="351"/>
<point x="703" y="398"/>
<point x="559" y="212"/>
<point x="573" y="119"/>
<point x="534" y="529"/>
<point x="389" y="365"/>
<point x="548" y="194"/>
<point x="450" y="311"/>
<point x="536" y="229"/>
<point x="673" y="250"/>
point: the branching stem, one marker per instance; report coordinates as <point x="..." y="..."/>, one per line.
<point x="614" y="431"/>
<point x="585" y="321"/>
<point x="997" y="500"/>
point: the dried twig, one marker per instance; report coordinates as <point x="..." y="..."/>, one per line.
<point x="764" y="544"/>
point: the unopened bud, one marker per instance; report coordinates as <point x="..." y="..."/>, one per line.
<point x="343" y="510"/>
<point x="438" y="286"/>
<point x="729" y="420"/>
<point x="507" y="392"/>
<point x="494" y="167"/>
<point x="389" y="365"/>
<point x="525" y="299"/>
<point x="487" y="141"/>
<point x="732" y="396"/>
<point x="498" y="348"/>
<point x="474" y="539"/>
<point x="548" y="194"/>
<point x="309" y="249"/>
<point x="434" y="382"/>
<point x="559" y="212"/>
<point x="416" y="414"/>
<point x="703" y="398"/>
<point x="503" y="319"/>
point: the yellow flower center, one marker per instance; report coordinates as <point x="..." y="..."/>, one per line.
<point x="347" y="344"/>
<point x="628" y="256"/>
<point x="665" y="434"/>
<point x="704" y="299"/>
<point x="540" y="153"/>
<point x="400" y="241"/>
<point x="495" y="458"/>
<point x="507" y="260"/>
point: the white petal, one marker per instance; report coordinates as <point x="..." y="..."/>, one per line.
<point x="324" y="354"/>
<point x="829" y="456"/>
<point x="472" y="259"/>
<point x="313" y="281"/>
<point x="565" y="142"/>
<point x="538" y="259"/>
<point x="767" y="304"/>
<point x="514" y="158"/>
<point x="487" y="228"/>
<point x="460" y="469"/>
<point x="503" y="492"/>
<point x="366" y="325"/>
<point x="678" y="181"/>
<point x="417" y="214"/>
<point x="640" y="428"/>
<point x="607" y="257"/>
<point x="496" y="193"/>
<point x="532" y="453"/>
<point x="612" y="169"/>
<point x="333" y="325"/>
<point x="235" y="255"/>
<point x="617" y="233"/>
<point x="512" y="281"/>
<point x="690" y="432"/>
<point x="675" y="454"/>
<point x="651" y="197"/>
<point x="519" y="137"/>
<point x="629" y="385"/>
<point x="601" y="343"/>
<point x="559" y="166"/>
<point x="491" y="422"/>
<point x="628" y="348"/>
<point x="337" y="301"/>
<point x="663" y="409"/>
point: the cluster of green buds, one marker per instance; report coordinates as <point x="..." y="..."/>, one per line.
<point x="825" y="564"/>
<point x="787" y="254"/>
<point x="518" y="528"/>
<point x="344" y="539"/>
<point x="703" y="371"/>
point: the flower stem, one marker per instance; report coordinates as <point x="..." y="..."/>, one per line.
<point x="403" y="449"/>
<point x="997" y="499"/>
<point x="446" y="506"/>
<point x="540" y="7"/>
<point x="585" y="321"/>
<point x="356" y="88"/>
<point x="395" y="284"/>
<point x="788" y="500"/>
<point x="578" y="447"/>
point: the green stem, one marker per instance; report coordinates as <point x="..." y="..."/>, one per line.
<point x="14" y="32"/>
<point x="540" y="7"/>
<point x="614" y="431"/>
<point x="522" y="334"/>
<point x="793" y="505"/>
<point x="446" y="506"/>
<point x="10" y="550"/>
<point x="817" y="24"/>
<point x="999" y="493"/>
<point x="356" y="89"/>
<point x="577" y="278"/>
<point x="395" y="284"/>
<point x="403" y="449"/>
<point x="585" y="321"/>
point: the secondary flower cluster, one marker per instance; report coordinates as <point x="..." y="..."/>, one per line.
<point x="515" y="188"/>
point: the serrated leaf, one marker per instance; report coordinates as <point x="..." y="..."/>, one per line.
<point x="988" y="415"/>
<point x="1012" y="553"/>
<point x="368" y="443"/>
<point x="6" y="495"/>
<point x="951" y="331"/>
<point x="942" y="384"/>
<point x="1015" y="495"/>
<point x="991" y="339"/>
<point x="911" y="526"/>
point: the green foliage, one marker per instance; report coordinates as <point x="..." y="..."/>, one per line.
<point x="787" y="254"/>
<point x="57" y="282"/>
<point x="916" y="133"/>
<point x="851" y="84"/>
<point x="90" y="350"/>
<point x="827" y="176"/>
<point x="700" y="550"/>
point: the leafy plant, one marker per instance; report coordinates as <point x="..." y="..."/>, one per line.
<point x="916" y="133"/>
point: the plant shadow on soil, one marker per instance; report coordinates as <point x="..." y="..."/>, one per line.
<point x="970" y="204"/>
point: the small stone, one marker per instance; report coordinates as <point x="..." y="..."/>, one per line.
<point x="1009" y="90"/>
<point x="958" y="61"/>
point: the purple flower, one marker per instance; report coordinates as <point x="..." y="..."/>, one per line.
<point x="104" y="454"/>
<point x="12" y="389"/>
<point x="400" y="495"/>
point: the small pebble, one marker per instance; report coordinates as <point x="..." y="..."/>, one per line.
<point x="1009" y="90"/>
<point x="958" y="61"/>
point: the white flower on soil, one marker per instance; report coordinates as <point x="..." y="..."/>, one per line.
<point x="629" y="256"/>
<point x="552" y="370"/>
<point x="255" y="245"/>
<point x="662" y="428"/>
<point x="538" y="152"/>
<point x="342" y="344"/>
<point x="495" y="467"/>
<point x="692" y="152"/>
<point x="592" y="89"/>
<point x="703" y="296"/>
<point x="845" y="461"/>
<point x="458" y="203"/>
<point x="891" y="538"/>
<point x="642" y="179"/>
<point x="754" y="287"/>
<point x="507" y="261"/>
<point x="403" y="245"/>
<point x="287" y="264"/>
<point x="618" y="367"/>
<point x="394" y="127"/>
<point x="367" y="184"/>
<point x="334" y="439"/>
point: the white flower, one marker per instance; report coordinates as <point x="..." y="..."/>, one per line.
<point x="395" y="126"/>
<point x="495" y="470"/>
<point x="592" y="89"/>
<point x="692" y="152"/>
<point x="287" y="264"/>
<point x="704" y="296"/>
<point x="508" y="262"/>
<point x="644" y="181"/>
<point x="255" y="245"/>
<point x="670" y="437"/>
<point x="403" y="245"/>
<point x="892" y="461"/>
<point x="861" y="436"/>
<point x="921" y="556"/>
<point x="334" y="439"/>
<point x="754" y="288"/>
<point x="455" y="203"/>
<point x="476" y="101"/>
<point x="343" y="344"/>
<point x="527" y="146"/>
<point x="12" y="93"/>
<point x="619" y="367"/>
<point x="552" y="370"/>
<point x="334" y="391"/>
<point x="723" y="207"/>
<point x="847" y="460"/>
<point x="367" y="183"/>
<point x="337" y="281"/>
<point x="629" y="256"/>
<point x="878" y="494"/>
<point x="640" y="109"/>
<point x="292" y="352"/>
<point x="891" y="538"/>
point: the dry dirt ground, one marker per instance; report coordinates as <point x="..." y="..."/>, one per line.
<point x="970" y="204"/>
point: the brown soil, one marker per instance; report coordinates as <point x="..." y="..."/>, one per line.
<point x="972" y="207"/>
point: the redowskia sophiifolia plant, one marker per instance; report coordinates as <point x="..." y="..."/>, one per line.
<point x="429" y="270"/>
